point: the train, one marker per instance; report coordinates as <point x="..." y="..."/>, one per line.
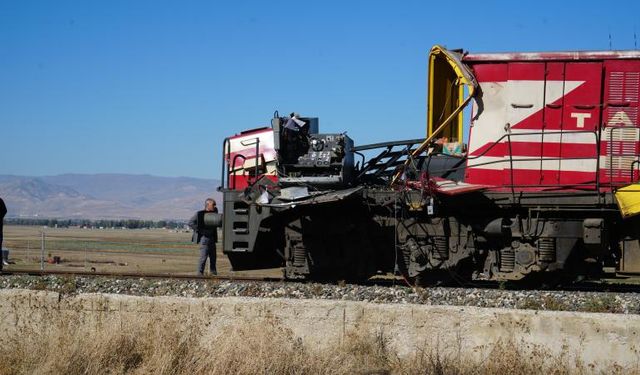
<point x="528" y="172"/>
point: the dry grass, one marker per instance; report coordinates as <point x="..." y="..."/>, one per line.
<point x="108" y="250"/>
<point x="112" y="250"/>
<point x="149" y="346"/>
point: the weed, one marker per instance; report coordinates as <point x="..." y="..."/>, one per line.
<point x="602" y="303"/>
<point x="544" y="303"/>
<point x="40" y="284"/>
<point x="148" y="345"/>
<point x="68" y="285"/>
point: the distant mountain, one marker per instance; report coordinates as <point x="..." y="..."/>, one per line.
<point x="106" y="196"/>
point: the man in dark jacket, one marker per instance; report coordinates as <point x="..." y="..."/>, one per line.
<point x="3" y="211"/>
<point x="206" y="238"/>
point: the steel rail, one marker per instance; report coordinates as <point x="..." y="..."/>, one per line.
<point x="139" y="275"/>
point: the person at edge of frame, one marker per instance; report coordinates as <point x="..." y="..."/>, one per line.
<point x="206" y="238"/>
<point x="3" y="212"/>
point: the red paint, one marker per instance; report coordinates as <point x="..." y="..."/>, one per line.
<point x="491" y="72"/>
<point x="550" y="56"/>
<point x="550" y="150"/>
<point x="486" y="175"/>
<point x="248" y="154"/>
<point x="245" y="133"/>
<point x="585" y="100"/>
<point x="242" y="181"/>
<point x="620" y="117"/>
<point x="237" y="177"/>
<point x="552" y="116"/>
<point x="580" y="110"/>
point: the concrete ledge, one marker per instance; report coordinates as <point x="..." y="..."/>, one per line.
<point x="593" y="338"/>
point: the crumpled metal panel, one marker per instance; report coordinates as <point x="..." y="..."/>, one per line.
<point x="316" y="198"/>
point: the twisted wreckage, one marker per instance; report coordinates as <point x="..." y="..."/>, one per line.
<point x="546" y="187"/>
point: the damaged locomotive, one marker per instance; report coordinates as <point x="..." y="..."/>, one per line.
<point x="546" y="188"/>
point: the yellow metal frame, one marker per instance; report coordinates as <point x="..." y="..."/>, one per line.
<point x="628" y="199"/>
<point x="464" y="77"/>
<point x="441" y="58"/>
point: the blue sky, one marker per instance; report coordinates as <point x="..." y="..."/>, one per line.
<point x="153" y="87"/>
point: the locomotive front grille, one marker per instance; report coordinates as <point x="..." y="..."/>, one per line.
<point x="622" y="151"/>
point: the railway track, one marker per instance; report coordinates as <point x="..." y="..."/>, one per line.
<point x="186" y="277"/>
<point x="627" y="284"/>
<point x="140" y="275"/>
<point x="587" y="297"/>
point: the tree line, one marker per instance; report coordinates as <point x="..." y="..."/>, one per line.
<point x="104" y="223"/>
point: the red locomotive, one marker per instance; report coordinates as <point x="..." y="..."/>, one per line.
<point x="545" y="188"/>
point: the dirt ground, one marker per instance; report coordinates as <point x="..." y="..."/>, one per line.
<point x="110" y="250"/>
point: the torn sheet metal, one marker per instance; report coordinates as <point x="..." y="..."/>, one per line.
<point x="449" y="187"/>
<point x="294" y="193"/>
<point x="316" y="198"/>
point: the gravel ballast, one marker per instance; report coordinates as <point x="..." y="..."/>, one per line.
<point x="622" y="303"/>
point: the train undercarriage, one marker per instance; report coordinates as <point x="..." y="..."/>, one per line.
<point x="346" y="234"/>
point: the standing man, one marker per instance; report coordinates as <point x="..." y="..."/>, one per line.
<point x="3" y="211"/>
<point x="206" y="238"/>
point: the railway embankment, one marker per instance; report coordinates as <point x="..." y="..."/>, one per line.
<point x="459" y="335"/>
